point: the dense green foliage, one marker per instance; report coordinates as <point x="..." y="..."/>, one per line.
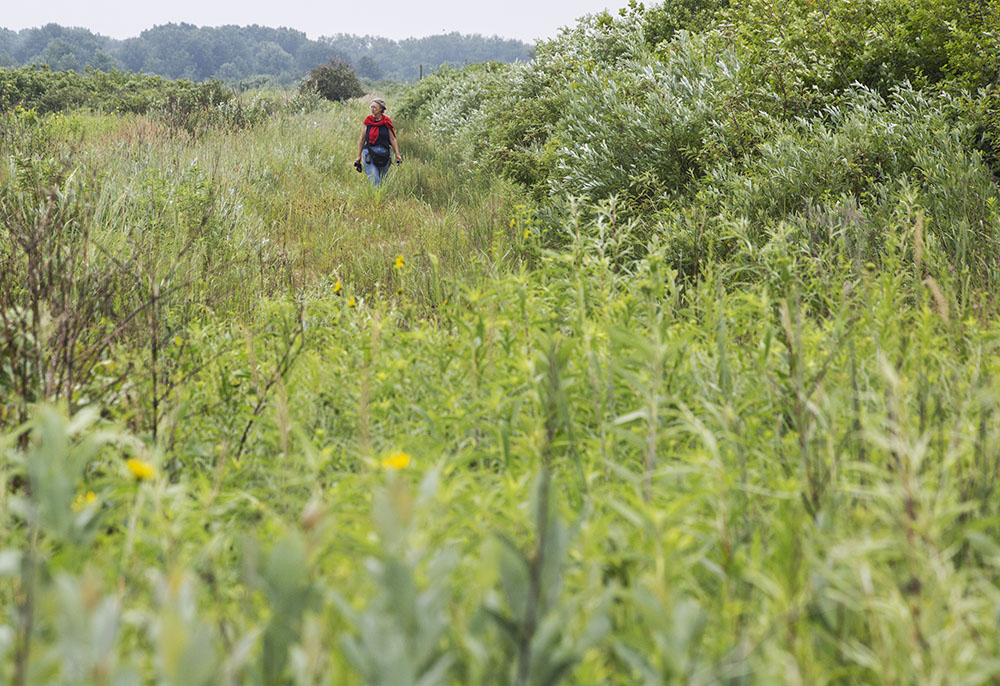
<point x="45" y="91"/>
<point x="669" y="357"/>
<point x="181" y="105"/>
<point x="335" y="81"/>
<point x="250" y="54"/>
<point x="626" y="106"/>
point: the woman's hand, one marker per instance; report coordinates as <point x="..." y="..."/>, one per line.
<point x="399" y="160"/>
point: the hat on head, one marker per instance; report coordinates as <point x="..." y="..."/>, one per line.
<point x="380" y="102"/>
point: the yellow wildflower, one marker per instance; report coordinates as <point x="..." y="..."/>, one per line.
<point x="512" y="222"/>
<point x="352" y="302"/>
<point x="527" y="233"/>
<point x="140" y="469"/>
<point x="399" y="261"/>
<point x="397" y="460"/>
<point x="337" y="286"/>
<point x="82" y="502"/>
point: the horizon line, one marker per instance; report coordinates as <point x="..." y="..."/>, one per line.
<point x="290" y="28"/>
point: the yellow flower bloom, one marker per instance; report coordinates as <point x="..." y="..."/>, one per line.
<point x="527" y="233"/>
<point x="399" y="261"/>
<point x="337" y="286"/>
<point x="140" y="470"/>
<point x="82" y="502"/>
<point x="352" y="302"/>
<point x="397" y="460"/>
<point x="512" y="222"/>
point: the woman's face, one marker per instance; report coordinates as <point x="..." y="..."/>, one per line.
<point x="376" y="109"/>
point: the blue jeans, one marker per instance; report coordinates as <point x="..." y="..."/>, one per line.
<point x="375" y="174"/>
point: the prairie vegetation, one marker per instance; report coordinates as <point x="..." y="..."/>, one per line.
<point x="668" y="357"/>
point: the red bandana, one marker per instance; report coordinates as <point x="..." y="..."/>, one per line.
<point x="373" y="131"/>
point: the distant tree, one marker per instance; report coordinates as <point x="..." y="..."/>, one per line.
<point x="402" y="59"/>
<point x="334" y="81"/>
<point x="8" y="42"/>
<point x="271" y="58"/>
<point x="32" y="42"/>
<point x="133" y="54"/>
<point x="169" y="51"/>
<point x="102" y="61"/>
<point x="60" y="54"/>
<point x="312" y="54"/>
<point x="230" y="45"/>
<point x="237" y="53"/>
<point x="59" y="47"/>
<point x="369" y="69"/>
<point x="228" y="72"/>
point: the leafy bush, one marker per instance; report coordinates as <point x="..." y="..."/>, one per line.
<point x="769" y="113"/>
<point x="641" y="132"/>
<point x="798" y="46"/>
<point x="416" y="100"/>
<point x="335" y="81"/>
<point x="663" y="21"/>
<point x="181" y="105"/>
<point x="44" y="90"/>
<point x="506" y="115"/>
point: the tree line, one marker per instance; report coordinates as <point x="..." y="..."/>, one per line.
<point x="240" y="53"/>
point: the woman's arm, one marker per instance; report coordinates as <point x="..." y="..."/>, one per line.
<point x="395" y="146"/>
<point x="361" y="146"/>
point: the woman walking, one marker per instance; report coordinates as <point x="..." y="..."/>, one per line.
<point x="376" y="140"/>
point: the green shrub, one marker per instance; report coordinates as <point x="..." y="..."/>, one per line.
<point x="44" y="90"/>
<point x="663" y="21"/>
<point x="506" y="115"/>
<point x="796" y="46"/>
<point x="772" y="111"/>
<point x="417" y="100"/>
<point x="335" y="81"/>
<point x="640" y="132"/>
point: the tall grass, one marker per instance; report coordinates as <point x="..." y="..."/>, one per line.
<point x="513" y="456"/>
<point x="178" y="224"/>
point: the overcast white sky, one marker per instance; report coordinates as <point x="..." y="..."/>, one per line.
<point x="522" y="19"/>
